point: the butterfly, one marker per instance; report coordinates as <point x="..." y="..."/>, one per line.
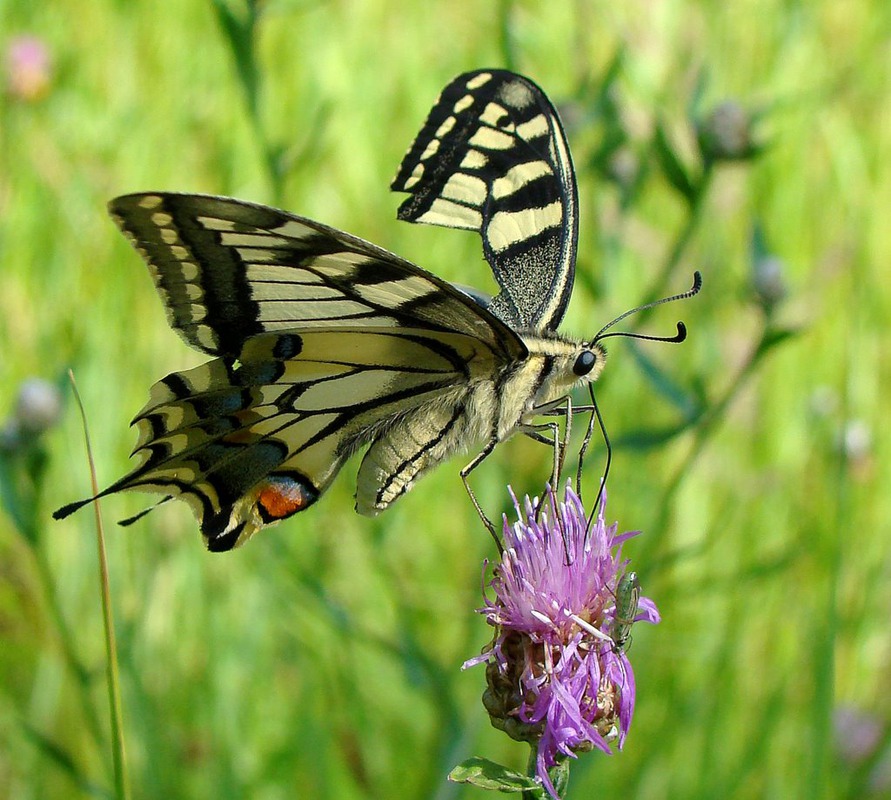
<point x="324" y="344"/>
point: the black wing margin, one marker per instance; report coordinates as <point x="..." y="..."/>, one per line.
<point x="492" y="157"/>
<point x="227" y="271"/>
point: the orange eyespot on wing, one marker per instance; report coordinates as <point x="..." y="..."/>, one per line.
<point x="282" y="495"/>
<point x="273" y="499"/>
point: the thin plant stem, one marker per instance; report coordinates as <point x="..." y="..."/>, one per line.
<point x="529" y="794"/>
<point x="112" y="679"/>
<point x="505" y="34"/>
<point x="241" y="33"/>
<point x="69" y="651"/>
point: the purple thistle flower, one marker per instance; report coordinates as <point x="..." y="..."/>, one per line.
<point x="555" y="674"/>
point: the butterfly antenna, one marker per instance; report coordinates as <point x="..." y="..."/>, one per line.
<point x="596" y="416"/>
<point x="682" y="330"/>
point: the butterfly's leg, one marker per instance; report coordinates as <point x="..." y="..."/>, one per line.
<point x="560" y="444"/>
<point x="567" y="428"/>
<point x="553" y="440"/>
<point x="589" y="431"/>
<point x="534" y="433"/>
<point x="595" y="416"/>
<point x="570" y="411"/>
<point x="483" y="455"/>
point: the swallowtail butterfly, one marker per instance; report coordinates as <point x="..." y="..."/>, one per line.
<point x="323" y="343"/>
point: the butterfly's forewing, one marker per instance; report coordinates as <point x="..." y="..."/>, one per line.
<point x="228" y="270"/>
<point x="492" y="157"/>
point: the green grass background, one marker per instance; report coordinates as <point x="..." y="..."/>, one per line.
<point x="323" y="659"/>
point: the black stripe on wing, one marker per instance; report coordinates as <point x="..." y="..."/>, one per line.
<point x="492" y="157"/>
<point x="227" y="271"/>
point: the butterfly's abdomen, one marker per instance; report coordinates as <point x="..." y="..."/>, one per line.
<point x="411" y="446"/>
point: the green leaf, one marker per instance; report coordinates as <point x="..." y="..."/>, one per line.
<point x="665" y="385"/>
<point x="697" y="96"/>
<point x="489" y="775"/>
<point x="774" y="337"/>
<point x="644" y="439"/>
<point x="22" y="472"/>
<point x="674" y="170"/>
<point x="239" y="32"/>
<point x="64" y="761"/>
<point x="560" y="776"/>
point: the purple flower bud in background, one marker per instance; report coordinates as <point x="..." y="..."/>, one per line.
<point x="769" y="281"/>
<point x="37" y="408"/>
<point x="28" y="68"/>
<point x="725" y="133"/>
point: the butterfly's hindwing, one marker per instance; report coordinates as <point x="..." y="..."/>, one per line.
<point x="228" y="270"/>
<point x="261" y="438"/>
<point x="492" y="157"/>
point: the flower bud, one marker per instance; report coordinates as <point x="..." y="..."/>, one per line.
<point x="38" y="407"/>
<point x="623" y="167"/>
<point x="768" y="281"/>
<point x="726" y="133"/>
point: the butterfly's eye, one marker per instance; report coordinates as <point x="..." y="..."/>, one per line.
<point x="584" y="363"/>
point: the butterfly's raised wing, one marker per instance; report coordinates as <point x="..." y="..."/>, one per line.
<point x="492" y="157"/>
<point x="228" y="270"/>
<point x="326" y="343"/>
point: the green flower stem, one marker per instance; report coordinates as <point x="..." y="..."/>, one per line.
<point x="111" y="658"/>
<point x="111" y="669"/>
<point x="241" y="35"/>
<point x="708" y="424"/>
<point x="506" y="34"/>
<point x="681" y="242"/>
<point x="532" y="794"/>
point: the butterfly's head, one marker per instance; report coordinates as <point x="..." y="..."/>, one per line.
<point x="582" y="365"/>
<point x="589" y="362"/>
<point x="569" y="365"/>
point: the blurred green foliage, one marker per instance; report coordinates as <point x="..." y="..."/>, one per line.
<point x="323" y="659"/>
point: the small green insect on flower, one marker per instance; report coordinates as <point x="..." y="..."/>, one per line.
<point x="627" y="602"/>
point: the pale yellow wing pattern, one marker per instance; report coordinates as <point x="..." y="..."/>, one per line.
<point x="227" y="270"/>
<point x="492" y="157"/>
